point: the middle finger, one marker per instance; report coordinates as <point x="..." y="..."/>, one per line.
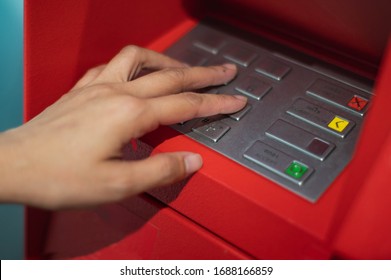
<point x="177" y="80"/>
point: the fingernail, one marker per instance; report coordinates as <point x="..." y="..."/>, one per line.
<point x="193" y="162"/>
<point x="241" y="97"/>
<point x="229" y="66"/>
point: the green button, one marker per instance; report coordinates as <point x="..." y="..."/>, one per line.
<point x="296" y="170"/>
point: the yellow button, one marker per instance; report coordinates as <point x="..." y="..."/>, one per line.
<point x="338" y="124"/>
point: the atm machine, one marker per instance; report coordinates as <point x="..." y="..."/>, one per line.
<point x="300" y="173"/>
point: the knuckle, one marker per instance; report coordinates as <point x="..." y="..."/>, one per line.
<point x="194" y="99"/>
<point x="93" y="72"/>
<point x="130" y="103"/>
<point x="123" y="108"/>
<point x="100" y="90"/>
<point x="131" y="50"/>
<point x="65" y="97"/>
<point x="220" y="102"/>
<point x="94" y="93"/>
<point x="177" y="76"/>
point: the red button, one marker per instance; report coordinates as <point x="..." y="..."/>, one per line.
<point x="357" y="103"/>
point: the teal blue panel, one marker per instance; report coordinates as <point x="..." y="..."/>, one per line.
<point x="11" y="114"/>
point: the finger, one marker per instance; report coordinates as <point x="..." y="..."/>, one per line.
<point x="182" y="107"/>
<point x="131" y="60"/>
<point x="177" y="108"/>
<point x="134" y="177"/>
<point x="89" y="76"/>
<point x="177" y="80"/>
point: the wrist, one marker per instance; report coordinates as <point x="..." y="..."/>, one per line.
<point x="11" y="170"/>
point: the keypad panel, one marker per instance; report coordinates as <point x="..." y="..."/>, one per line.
<point x="302" y="120"/>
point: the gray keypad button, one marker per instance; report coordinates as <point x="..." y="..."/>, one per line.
<point x="319" y="148"/>
<point x="239" y="54"/>
<point x="320" y="117"/>
<point x="253" y="87"/>
<point x="212" y="131"/>
<point x="210" y="43"/>
<point x="300" y="139"/>
<point x="272" y="68"/>
<point x="278" y="162"/>
<point x="349" y="98"/>
<point x="239" y="115"/>
<point x="192" y="58"/>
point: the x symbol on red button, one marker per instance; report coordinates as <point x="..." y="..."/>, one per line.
<point x="357" y="103"/>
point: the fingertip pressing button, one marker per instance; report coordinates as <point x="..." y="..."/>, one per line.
<point x="240" y="114"/>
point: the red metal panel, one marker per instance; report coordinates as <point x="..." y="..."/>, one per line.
<point x="366" y="231"/>
<point x="139" y="228"/>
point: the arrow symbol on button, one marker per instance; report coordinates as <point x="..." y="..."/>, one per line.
<point x="336" y="123"/>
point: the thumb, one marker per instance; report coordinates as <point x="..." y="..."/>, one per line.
<point x="134" y="177"/>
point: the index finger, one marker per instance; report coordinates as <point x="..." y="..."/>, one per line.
<point x="171" y="109"/>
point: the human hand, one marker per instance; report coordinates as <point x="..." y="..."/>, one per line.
<point x="71" y="154"/>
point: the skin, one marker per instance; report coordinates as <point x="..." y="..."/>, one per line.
<point x="70" y="155"/>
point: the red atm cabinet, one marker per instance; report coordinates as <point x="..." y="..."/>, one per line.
<point x="214" y="215"/>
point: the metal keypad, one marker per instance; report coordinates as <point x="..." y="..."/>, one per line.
<point x="302" y="119"/>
